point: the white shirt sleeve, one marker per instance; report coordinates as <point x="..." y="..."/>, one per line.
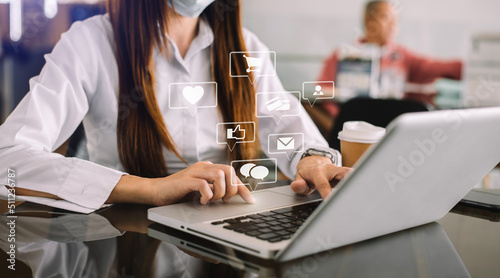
<point x="288" y="124"/>
<point x="58" y="100"/>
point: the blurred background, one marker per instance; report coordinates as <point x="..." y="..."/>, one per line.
<point x="29" y="29"/>
<point x="302" y="34"/>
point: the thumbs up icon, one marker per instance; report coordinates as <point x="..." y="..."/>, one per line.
<point x="237" y="133"/>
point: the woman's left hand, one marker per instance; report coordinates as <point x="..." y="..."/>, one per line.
<point x="317" y="172"/>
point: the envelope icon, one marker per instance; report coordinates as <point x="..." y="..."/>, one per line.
<point x="285" y="143"/>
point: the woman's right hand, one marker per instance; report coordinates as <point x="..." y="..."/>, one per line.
<point x="212" y="181"/>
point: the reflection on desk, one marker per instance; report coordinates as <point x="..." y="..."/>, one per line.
<point x="424" y="251"/>
<point x="113" y="243"/>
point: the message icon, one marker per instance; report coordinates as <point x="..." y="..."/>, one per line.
<point x="314" y="90"/>
<point x="255" y="171"/>
<point x="234" y="133"/>
<point x="287" y="143"/>
<point x="277" y="105"/>
<point x="192" y="96"/>
<point x="242" y="63"/>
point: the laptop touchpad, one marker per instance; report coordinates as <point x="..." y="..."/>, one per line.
<point x="193" y="212"/>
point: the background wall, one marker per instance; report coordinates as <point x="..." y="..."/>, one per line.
<point x="304" y="32"/>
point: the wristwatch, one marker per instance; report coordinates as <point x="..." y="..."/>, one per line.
<point x="334" y="157"/>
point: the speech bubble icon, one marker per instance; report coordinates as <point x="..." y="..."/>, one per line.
<point x="245" y="169"/>
<point x="259" y="172"/>
<point x="253" y="172"/>
<point x="235" y="132"/>
<point x="287" y="143"/>
<point x="277" y="105"/>
<point x="314" y="90"/>
<point x="192" y="96"/>
<point x="252" y="64"/>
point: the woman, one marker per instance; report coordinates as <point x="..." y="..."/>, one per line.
<point x="113" y="72"/>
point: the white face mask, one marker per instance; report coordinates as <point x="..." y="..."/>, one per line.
<point x="190" y="8"/>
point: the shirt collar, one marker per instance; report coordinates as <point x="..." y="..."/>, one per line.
<point x="203" y="39"/>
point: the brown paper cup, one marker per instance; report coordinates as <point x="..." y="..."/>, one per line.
<point x="355" y="138"/>
<point x="352" y="151"/>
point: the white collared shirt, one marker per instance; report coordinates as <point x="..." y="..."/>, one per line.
<point x="80" y="82"/>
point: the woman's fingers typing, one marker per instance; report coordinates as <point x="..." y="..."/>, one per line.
<point x="316" y="173"/>
<point x="246" y="194"/>
<point x="224" y="180"/>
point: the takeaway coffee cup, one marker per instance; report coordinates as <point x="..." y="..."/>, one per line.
<point x="355" y="138"/>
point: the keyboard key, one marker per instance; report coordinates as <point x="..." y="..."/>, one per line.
<point x="276" y="228"/>
<point x="297" y="223"/>
<point x="266" y="230"/>
<point x="267" y="236"/>
<point x="237" y="225"/>
<point x="285" y="220"/>
<point x="258" y="221"/>
<point x="217" y="222"/>
<point x="262" y="225"/>
<point x="232" y="221"/>
<point x="274" y="223"/>
<point x="266" y="213"/>
<point x="275" y="239"/>
<point x="287" y="225"/>
<point x="268" y="218"/>
<point x="283" y="210"/>
<point x="283" y="233"/>
<point x="292" y="230"/>
<point x="286" y="237"/>
<point x="241" y="218"/>
<point x="246" y="229"/>
<point x="254" y="216"/>
<point x="253" y="233"/>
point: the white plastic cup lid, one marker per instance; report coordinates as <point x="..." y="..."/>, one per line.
<point x="361" y="132"/>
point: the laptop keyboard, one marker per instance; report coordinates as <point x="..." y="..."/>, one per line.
<point x="272" y="226"/>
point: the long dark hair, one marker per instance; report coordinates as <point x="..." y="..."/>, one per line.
<point x="141" y="25"/>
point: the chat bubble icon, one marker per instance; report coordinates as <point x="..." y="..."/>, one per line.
<point x="253" y="172"/>
<point x="287" y="143"/>
<point x="259" y="172"/>
<point x="252" y="64"/>
<point x="192" y="96"/>
<point x="245" y="169"/>
<point x="315" y="90"/>
<point x="235" y="133"/>
<point x="277" y="105"/>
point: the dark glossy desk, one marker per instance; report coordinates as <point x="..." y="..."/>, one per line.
<point x="114" y="242"/>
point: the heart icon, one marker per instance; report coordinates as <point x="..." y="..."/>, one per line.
<point x="193" y="94"/>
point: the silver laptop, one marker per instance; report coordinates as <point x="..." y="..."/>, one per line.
<point x="424" y="165"/>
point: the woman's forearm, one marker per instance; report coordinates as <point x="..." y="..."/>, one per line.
<point x="129" y="189"/>
<point x="132" y="189"/>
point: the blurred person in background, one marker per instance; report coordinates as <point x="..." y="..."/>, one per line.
<point x="400" y="67"/>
